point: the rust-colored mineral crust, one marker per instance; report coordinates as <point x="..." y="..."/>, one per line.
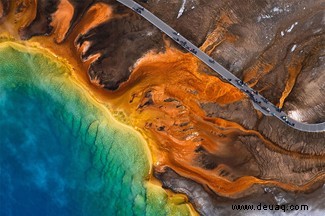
<point x="204" y="134"/>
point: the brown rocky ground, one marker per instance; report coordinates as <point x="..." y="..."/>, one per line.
<point x="207" y="140"/>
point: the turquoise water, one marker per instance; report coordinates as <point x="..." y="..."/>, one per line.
<point x="62" y="155"/>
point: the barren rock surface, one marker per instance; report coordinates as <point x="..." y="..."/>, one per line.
<point x="208" y="141"/>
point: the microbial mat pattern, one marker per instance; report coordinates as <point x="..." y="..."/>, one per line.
<point x="101" y="113"/>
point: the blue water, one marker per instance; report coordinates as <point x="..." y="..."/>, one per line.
<point x="39" y="168"/>
<point x="62" y="155"/>
<point x="59" y="154"/>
